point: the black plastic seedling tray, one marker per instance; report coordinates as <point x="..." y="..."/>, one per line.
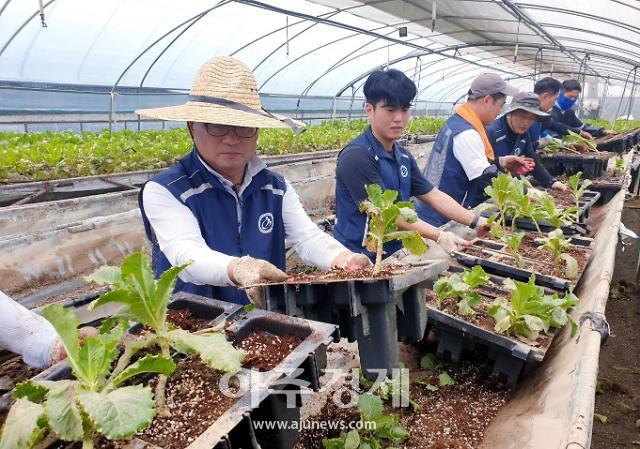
<point x="493" y="252"/>
<point x="588" y="200"/>
<point x="276" y="397"/>
<point x="458" y="338"/>
<point x="377" y="313"/>
<point x="566" y="164"/>
<point x="606" y="189"/>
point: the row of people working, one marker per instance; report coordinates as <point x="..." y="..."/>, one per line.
<point x="221" y="209"/>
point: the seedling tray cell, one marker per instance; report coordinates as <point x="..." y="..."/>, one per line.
<point x="377" y="313"/>
<point x="493" y="258"/>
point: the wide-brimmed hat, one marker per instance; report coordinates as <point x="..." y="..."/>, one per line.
<point x="527" y="101"/>
<point x="224" y="92"/>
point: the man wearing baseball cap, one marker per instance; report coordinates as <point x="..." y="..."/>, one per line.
<point x="220" y="207"/>
<point x="462" y="161"/>
<point x="509" y="134"/>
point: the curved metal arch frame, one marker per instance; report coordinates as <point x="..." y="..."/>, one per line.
<point x="340" y="63"/>
<point x="178" y="36"/>
<point x="25" y="23"/>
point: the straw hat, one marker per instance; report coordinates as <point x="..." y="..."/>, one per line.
<point x="224" y="92"/>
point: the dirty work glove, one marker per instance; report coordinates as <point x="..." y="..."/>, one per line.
<point x="518" y="165"/>
<point x="350" y="261"/>
<point x="557" y="185"/>
<point x="544" y="141"/>
<point x="450" y="242"/>
<point x="248" y="271"/>
<point x="57" y="353"/>
<point x="482" y="228"/>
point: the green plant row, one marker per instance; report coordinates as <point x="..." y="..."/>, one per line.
<point x="619" y="125"/>
<point x="54" y="155"/>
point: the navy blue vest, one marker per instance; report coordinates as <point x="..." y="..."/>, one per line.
<point x="261" y="235"/>
<point x="395" y="171"/>
<point x="445" y="172"/>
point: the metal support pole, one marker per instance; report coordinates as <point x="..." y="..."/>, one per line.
<point x="333" y="108"/>
<point x="112" y="104"/>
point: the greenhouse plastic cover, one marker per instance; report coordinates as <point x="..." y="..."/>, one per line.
<point x="325" y="47"/>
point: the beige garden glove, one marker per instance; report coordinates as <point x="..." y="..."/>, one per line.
<point x="351" y="261"/>
<point x="557" y="185"/>
<point x="450" y="242"/>
<point x="57" y="353"/>
<point x="247" y="271"/>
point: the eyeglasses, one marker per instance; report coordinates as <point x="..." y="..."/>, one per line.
<point x="222" y="130"/>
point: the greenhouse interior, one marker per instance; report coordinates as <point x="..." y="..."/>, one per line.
<point x="191" y="258"/>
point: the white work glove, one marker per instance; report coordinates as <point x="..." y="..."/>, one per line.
<point x="351" y="261"/>
<point x="57" y="353"/>
<point x="557" y="185"/>
<point x="247" y="271"/>
<point x="544" y="141"/>
<point x="450" y="242"/>
<point x="534" y="193"/>
<point x="586" y="135"/>
<point x="482" y="228"/>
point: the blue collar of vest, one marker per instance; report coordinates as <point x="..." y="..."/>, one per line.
<point x="377" y="147"/>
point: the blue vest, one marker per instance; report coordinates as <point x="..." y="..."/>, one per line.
<point x="505" y="142"/>
<point x="395" y="171"/>
<point x="261" y="234"/>
<point x="445" y="172"/>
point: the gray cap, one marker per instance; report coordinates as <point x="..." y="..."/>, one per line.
<point x="490" y="84"/>
<point x="527" y="101"/>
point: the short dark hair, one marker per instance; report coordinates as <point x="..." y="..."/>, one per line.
<point x="571" y="85"/>
<point x="547" y="85"/>
<point x="391" y="86"/>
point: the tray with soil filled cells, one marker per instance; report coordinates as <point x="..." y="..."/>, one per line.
<point x="532" y="258"/>
<point x="461" y="335"/>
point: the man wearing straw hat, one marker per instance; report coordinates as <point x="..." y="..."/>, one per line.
<point x="220" y="207"/>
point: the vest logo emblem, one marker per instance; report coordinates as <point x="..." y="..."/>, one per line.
<point x="404" y="171"/>
<point x="265" y="223"/>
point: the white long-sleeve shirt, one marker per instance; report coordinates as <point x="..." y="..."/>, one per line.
<point x="179" y="237"/>
<point x="25" y="332"/>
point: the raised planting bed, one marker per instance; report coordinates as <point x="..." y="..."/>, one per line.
<point x="377" y="312"/>
<point x="462" y="334"/>
<point x="591" y="165"/>
<point x="282" y="353"/>
<point x="493" y="256"/>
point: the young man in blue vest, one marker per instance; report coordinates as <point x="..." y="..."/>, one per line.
<point x="219" y="207"/>
<point x="462" y="162"/>
<point x="564" y="113"/>
<point x="509" y="134"/>
<point x="375" y="158"/>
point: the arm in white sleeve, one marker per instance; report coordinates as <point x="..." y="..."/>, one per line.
<point x="312" y="245"/>
<point x="25" y="332"/>
<point x="179" y="237"/>
<point x="468" y="149"/>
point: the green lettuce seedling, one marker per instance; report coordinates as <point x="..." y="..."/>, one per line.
<point x="556" y="243"/>
<point x="578" y="188"/>
<point x="95" y="402"/>
<point x="387" y="429"/>
<point x="462" y="287"/>
<point x="556" y="216"/>
<point x="146" y="301"/>
<point x="530" y="311"/>
<point x="383" y="215"/>
<point x="513" y="242"/>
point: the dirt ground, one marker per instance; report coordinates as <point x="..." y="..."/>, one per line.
<point x="618" y="392"/>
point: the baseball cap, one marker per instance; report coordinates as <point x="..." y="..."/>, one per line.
<point x="527" y="101"/>
<point x="490" y="84"/>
